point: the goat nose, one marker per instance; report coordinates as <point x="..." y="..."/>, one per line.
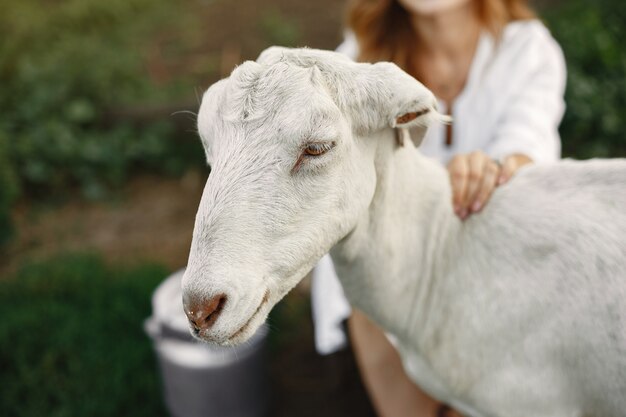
<point x="203" y="313"/>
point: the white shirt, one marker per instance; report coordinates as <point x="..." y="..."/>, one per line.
<point x="512" y="102"/>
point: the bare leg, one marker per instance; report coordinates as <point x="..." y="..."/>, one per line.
<point x="392" y="393"/>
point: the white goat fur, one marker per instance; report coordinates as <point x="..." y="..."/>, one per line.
<point x="518" y="311"/>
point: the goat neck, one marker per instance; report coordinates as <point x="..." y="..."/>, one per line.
<point x="392" y="262"/>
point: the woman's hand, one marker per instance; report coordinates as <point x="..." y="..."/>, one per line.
<point x="474" y="176"/>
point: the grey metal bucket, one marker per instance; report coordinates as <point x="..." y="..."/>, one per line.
<point x="200" y="380"/>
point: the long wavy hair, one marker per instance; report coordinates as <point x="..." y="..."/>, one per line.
<point x="384" y="33"/>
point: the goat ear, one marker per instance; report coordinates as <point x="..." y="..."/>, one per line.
<point x="402" y="102"/>
<point x="408" y="127"/>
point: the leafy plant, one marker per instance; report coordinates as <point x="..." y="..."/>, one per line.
<point x="592" y="36"/>
<point x="63" y="67"/>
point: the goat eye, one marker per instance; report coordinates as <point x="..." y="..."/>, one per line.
<point x="318" y="148"/>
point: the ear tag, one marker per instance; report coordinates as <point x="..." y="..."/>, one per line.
<point x="402" y="135"/>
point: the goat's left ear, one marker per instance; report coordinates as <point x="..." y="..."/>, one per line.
<point x="400" y="102"/>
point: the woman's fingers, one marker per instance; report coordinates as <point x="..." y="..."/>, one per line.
<point x="473" y="178"/>
<point x="458" y="169"/>
<point x="478" y="163"/>
<point x="487" y="186"/>
<point x="510" y="165"/>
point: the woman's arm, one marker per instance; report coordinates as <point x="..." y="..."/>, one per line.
<point x="527" y="128"/>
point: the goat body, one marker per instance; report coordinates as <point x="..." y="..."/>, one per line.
<point x="518" y="311"/>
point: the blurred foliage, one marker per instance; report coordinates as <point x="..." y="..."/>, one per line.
<point x="8" y="191"/>
<point x="593" y="37"/>
<point x="71" y="340"/>
<point x="64" y="66"/>
<point x="279" y="30"/>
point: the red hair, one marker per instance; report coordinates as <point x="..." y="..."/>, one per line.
<point x="384" y="32"/>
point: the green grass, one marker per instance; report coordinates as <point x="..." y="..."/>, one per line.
<point x="71" y="340"/>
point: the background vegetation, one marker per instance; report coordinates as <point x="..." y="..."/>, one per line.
<point x="69" y="69"/>
<point x="66" y="70"/>
<point x="593" y="37"/>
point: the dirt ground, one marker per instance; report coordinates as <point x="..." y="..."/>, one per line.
<point x="151" y="218"/>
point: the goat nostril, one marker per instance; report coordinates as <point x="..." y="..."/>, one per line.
<point x="202" y="315"/>
<point x="216" y="305"/>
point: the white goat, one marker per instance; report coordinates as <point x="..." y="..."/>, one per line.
<point x="518" y="311"/>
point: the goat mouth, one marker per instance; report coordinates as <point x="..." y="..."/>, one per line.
<point x="245" y="327"/>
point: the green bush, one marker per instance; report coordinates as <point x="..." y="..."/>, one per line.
<point x="592" y="35"/>
<point x="71" y="340"/>
<point x="63" y="66"/>
<point x="8" y="190"/>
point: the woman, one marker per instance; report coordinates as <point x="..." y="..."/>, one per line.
<point x="501" y="76"/>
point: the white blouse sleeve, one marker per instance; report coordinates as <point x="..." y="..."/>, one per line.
<point x="534" y="107"/>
